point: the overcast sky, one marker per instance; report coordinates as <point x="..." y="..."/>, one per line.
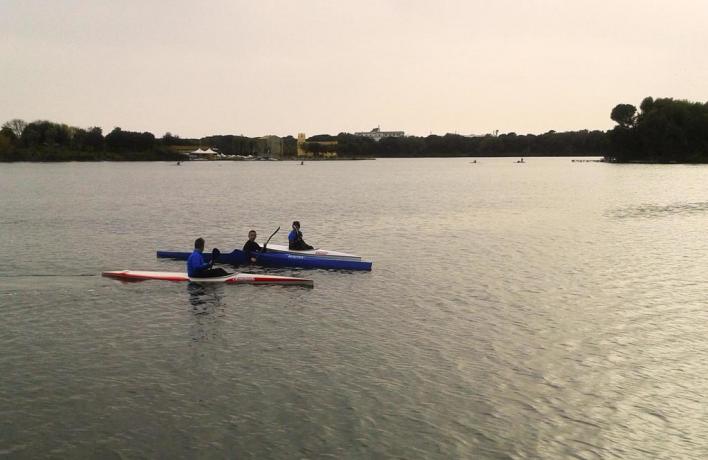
<point x="258" y="67"/>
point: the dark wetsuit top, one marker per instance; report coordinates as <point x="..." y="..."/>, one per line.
<point x="251" y="246"/>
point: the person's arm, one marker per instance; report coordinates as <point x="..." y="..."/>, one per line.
<point x="204" y="265"/>
<point x="302" y="243"/>
<point x="301" y="240"/>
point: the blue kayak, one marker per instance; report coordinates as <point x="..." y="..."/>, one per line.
<point x="278" y="259"/>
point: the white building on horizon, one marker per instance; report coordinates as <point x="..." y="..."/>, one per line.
<point x="376" y="134"/>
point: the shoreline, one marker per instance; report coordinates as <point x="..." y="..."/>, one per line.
<point x="291" y="159"/>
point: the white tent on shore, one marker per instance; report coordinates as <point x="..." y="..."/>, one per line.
<point x="203" y="154"/>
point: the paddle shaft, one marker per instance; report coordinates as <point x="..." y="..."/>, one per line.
<point x="271" y="236"/>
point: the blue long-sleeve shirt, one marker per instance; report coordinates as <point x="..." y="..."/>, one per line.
<point x="195" y="263"/>
<point x="295" y="241"/>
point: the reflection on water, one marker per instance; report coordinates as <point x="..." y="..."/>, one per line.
<point x="204" y="296"/>
<point x="206" y="306"/>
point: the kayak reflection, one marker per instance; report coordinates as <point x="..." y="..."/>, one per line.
<point x="204" y="298"/>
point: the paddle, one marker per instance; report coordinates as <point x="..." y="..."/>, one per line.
<point x="268" y="241"/>
<point x="263" y="249"/>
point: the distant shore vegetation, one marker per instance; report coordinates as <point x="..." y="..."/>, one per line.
<point x="662" y="131"/>
<point x="49" y="141"/>
<point x="572" y="143"/>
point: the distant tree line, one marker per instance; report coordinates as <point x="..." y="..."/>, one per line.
<point x="572" y="143"/>
<point x="663" y="131"/>
<point x="49" y="141"/>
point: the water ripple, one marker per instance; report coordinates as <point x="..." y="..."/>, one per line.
<point x="537" y="312"/>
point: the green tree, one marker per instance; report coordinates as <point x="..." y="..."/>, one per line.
<point x="624" y="115"/>
<point x="9" y="134"/>
<point x="666" y="131"/>
<point x="16" y="126"/>
<point x="647" y="104"/>
<point x="94" y="140"/>
<point x="5" y="145"/>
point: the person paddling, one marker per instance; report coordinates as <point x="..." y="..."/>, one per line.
<point x="197" y="268"/>
<point x="251" y="246"/>
<point x="295" y="241"/>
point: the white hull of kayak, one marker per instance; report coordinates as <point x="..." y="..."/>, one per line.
<point x="236" y="278"/>
<point x="314" y="252"/>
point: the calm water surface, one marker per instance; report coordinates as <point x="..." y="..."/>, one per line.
<point x="551" y="309"/>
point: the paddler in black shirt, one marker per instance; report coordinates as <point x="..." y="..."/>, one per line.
<point x="251" y="246"/>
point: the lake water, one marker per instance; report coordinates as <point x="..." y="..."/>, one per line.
<point x="545" y="310"/>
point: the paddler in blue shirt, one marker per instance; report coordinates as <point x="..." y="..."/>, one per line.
<point x="197" y="268"/>
<point x="251" y="246"/>
<point x="295" y="241"/>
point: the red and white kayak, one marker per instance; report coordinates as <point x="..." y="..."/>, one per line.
<point x="236" y="278"/>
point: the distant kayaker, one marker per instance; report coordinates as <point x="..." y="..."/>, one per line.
<point x="295" y="241"/>
<point x="251" y="246"/>
<point x="197" y="268"/>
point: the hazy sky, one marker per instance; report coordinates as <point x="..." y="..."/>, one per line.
<point x="281" y="67"/>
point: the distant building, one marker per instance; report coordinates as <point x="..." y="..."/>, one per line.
<point x="376" y="134"/>
<point x="326" y="149"/>
<point x="270" y="146"/>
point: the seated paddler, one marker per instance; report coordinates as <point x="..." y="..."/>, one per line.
<point x="197" y="268"/>
<point x="251" y="247"/>
<point x="295" y="241"/>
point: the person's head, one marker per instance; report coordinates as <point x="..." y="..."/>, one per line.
<point x="296" y="225"/>
<point x="252" y="235"/>
<point x="199" y="244"/>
